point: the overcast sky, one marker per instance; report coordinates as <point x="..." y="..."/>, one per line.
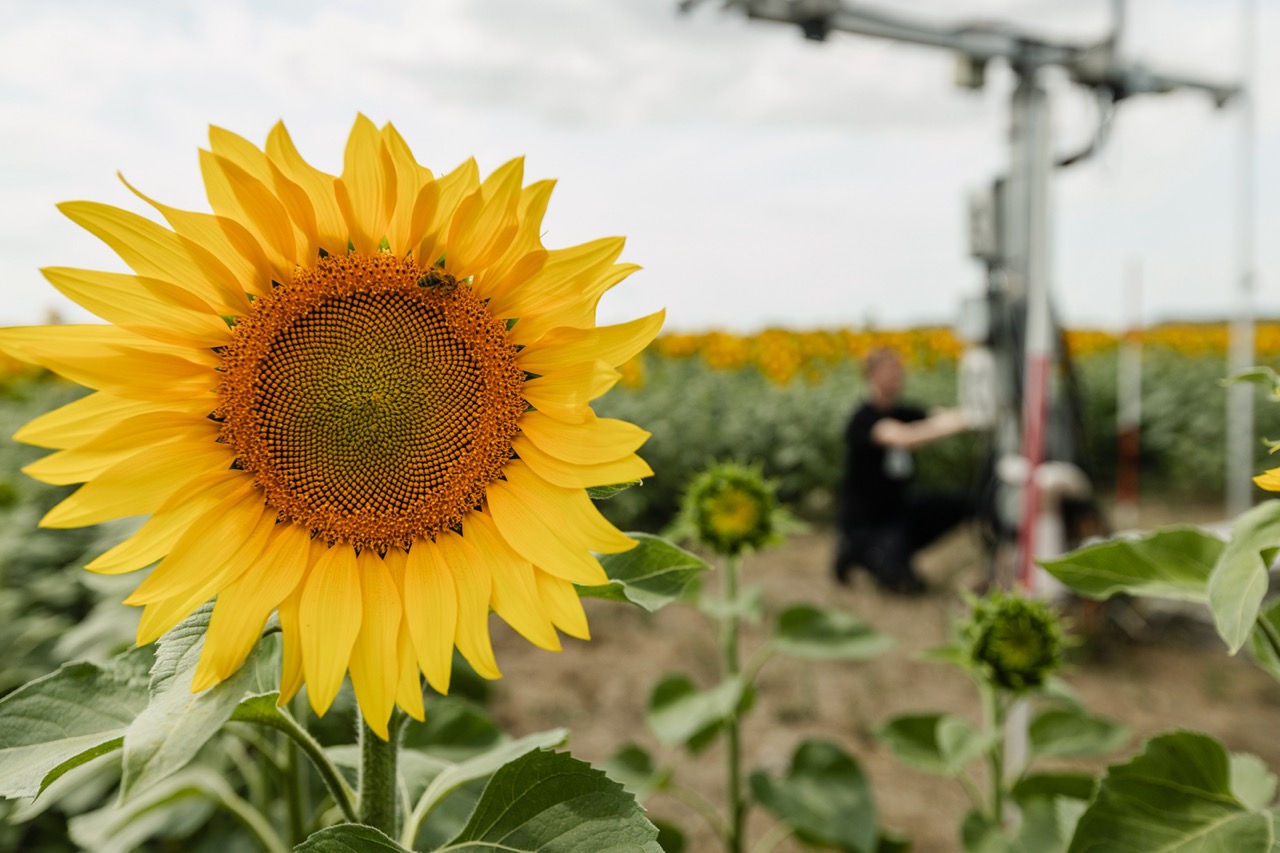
<point x="760" y="179"/>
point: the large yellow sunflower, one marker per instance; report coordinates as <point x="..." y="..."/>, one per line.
<point x="361" y="401"/>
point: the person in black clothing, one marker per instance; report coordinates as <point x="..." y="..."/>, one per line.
<point x="880" y="523"/>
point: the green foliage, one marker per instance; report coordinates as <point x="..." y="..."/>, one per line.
<point x="940" y="744"/>
<point x="1177" y="796"/>
<point x="1073" y="733"/>
<point x="825" y="797"/>
<point x="805" y="631"/>
<point x="549" y="802"/>
<point x="1174" y="563"/>
<point x="682" y="715"/>
<point x="652" y="575"/>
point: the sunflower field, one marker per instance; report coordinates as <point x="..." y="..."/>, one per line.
<point x="782" y="397"/>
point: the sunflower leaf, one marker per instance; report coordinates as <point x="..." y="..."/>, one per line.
<point x="651" y="575"/>
<point x="58" y="722"/>
<point x="1172" y="563"/>
<point x="805" y="631"/>
<point x="1071" y="733"/>
<point x="550" y="802"/>
<point x="1239" y="579"/>
<point x="349" y="838"/>
<point x="680" y="714"/>
<point x="1176" y="796"/>
<point x="825" y="797"/>
<point x="941" y="744"/>
<point x="175" y="808"/>
<point x="455" y="776"/>
<point x="177" y="723"/>
<point x="603" y="493"/>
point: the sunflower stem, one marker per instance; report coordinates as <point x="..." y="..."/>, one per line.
<point x="379" y="793"/>
<point x="734" y="839"/>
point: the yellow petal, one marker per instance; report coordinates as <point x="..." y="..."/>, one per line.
<point x="82" y="419"/>
<point x="329" y="615"/>
<point x="474" y="585"/>
<point x="574" y="309"/>
<point x="115" y="360"/>
<point x="565" y="275"/>
<point x="526" y="256"/>
<point x="431" y="611"/>
<point x="243" y="607"/>
<point x="291" y="674"/>
<point x="156" y="252"/>
<point x="566" y="394"/>
<point x="405" y="231"/>
<point x="149" y="307"/>
<point x="224" y="238"/>
<point x="568" y="510"/>
<point x="118" y="443"/>
<point x="526" y="529"/>
<point x="451" y="190"/>
<point x="374" y="675"/>
<point x="565" y="346"/>
<point x="224" y="530"/>
<point x="366" y="192"/>
<point x="486" y="222"/>
<point x="331" y="228"/>
<point x="560" y="600"/>
<point x="628" y="469"/>
<point x="409" y="677"/>
<point x="1269" y="480"/>
<point x="221" y="570"/>
<point x="141" y="484"/>
<point x="592" y="442"/>
<point x="515" y="593"/>
<point x="236" y="194"/>
<point x="157" y="536"/>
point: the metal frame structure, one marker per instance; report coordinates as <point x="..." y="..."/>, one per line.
<point x="1019" y="265"/>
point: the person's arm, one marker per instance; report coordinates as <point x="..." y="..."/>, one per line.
<point x="889" y="432"/>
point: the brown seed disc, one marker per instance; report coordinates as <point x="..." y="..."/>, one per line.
<point x="372" y="400"/>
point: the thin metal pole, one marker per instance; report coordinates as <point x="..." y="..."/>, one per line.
<point x="1034" y="101"/>
<point x="1241" y="445"/>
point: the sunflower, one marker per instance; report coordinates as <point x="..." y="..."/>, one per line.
<point x="361" y="402"/>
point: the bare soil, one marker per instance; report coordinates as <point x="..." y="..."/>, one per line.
<point x="1162" y="676"/>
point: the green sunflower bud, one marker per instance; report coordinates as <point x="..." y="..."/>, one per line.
<point x="730" y="509"/>
<point x="1016" y="643"/>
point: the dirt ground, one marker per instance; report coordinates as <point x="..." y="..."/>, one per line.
<point x="1163" y="676"/>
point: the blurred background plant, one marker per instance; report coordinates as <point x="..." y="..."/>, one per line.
<point x="782" y="398"/>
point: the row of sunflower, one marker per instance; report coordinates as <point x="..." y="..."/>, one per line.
<point x="785" y="355"/>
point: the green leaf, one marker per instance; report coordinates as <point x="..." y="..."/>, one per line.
<point x="349" y="838"/>
<point x="825" y="798"/>
<point x="670" y="837"/>
<point x="1261" y="375"/>
<point x="652" y="575"/>
<point x="1073" y="733"/>
<point x="680" y="714"/>
<point x="748" y="606"/>
<point x="1045" y="827"/>
<point x="634" y="767"/>
<point x="1239" y="579"/>
<point x="603" y="493"/>
<point x="940" y="744"/>
<point x="172" y="810"/>
<point x="1172" y="563"/>
<point x="807" y="632"/>
<point x="485" y="764"/>
<point x="1266" y="653"/>
<point x="1074" y="786"/>
<point x="1175" y="797"/>
<point x="1251" y="781"/>
<point x="67" y="718"/>
<point x="176" y="722"/>
<point x="551" y="802"/>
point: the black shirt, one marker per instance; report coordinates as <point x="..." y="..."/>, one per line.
<point x="875" y="477"/>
